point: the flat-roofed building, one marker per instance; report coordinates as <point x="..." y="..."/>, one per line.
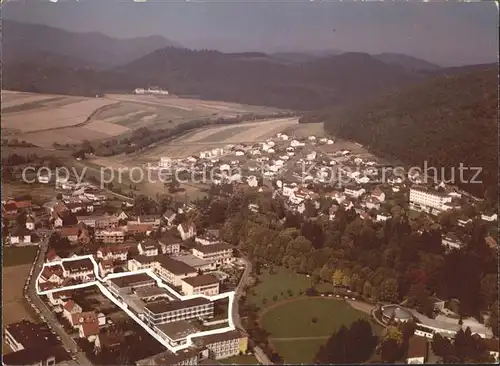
<point x="201" y="285"/>
<point x="127" y="284"/>
<point x="176" y="333"/>
<point x="110" y="236"/>
<point x="429" y="200"/>
<point x="28" y="335"/>
<point x="187" y="356"/>
<point x="153" y="293"/>
<point x="38" y="356"/>
<point x="164" y="311"/>
<point x="220" y="253"/>
<point x="168" y="269"/>
<point x="224" y="345"/>
<point x="197" y="263"/>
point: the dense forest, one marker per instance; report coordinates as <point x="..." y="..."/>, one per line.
<point x="243" y="78"/>
<point x="445" y="122"/>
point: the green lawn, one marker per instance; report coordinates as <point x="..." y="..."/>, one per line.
<point x="299" y="351"/>
<point x="15" y="256"/>
<point x="278" y="285"/>
<point x="240" y="360"/>
<point x="330" y="314"/>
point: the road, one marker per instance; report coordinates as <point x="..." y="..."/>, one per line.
<point x="259" y="353"/>
<point x="47" y="314"/>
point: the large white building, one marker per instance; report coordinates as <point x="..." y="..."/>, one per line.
<point x="164" y="311"/>
<point x="428" y="200"/>
<point x="220" y="253"/>
<point x="168" y="269"/>
<point x="201" y="285"/>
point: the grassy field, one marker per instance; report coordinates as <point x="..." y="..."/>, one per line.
<point x="14" y="306"/>
<point x="240" y="360"/>
<point x="314" y="320"/>
<point x="15" y="256"/>
<point x="297" y="352"/>
<point x="278" y="285"/>
<point x="330" y="314"/>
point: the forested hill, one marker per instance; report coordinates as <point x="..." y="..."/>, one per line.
<point x="445" y="121"/>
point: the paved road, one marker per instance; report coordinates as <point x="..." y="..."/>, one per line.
<point x="259" y="353"/>
<point x="47" y="314"/>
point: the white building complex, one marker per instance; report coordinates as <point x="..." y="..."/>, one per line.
<point x="428" y="200"/>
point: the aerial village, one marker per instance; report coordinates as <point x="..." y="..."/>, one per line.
<point x="98" y="265"/>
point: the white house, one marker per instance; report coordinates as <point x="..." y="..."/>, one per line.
<point x="148" y="247"/>
<point x="383" y="217"/>
<point x="354" y="192"/>
<point x="311" y="156"/>
<point x="30" y="223"/>
<point x="490" y="218"/>
<point x="20" y="235"/>
<point x="296" y="143"/>
<point x="451" y="242"/>
<point x="186" y="230"/>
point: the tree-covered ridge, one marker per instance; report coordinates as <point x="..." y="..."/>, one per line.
<point x="446" y="121"/>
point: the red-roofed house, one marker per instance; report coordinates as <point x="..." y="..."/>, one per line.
<point x="53" y="274"/>
<point x="378" y="194"/>
<point x="71" y="308"/>
<point x="23" y="204"/>
<point x="70" y="232"/>
<point x="52" y="256"/>
<point x="59" y="297"/>
<point x="139" y="228"/>
<point x="83" y="317"/>
<point x="90" y="331"/>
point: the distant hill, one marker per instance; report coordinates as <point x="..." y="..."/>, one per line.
<point x="445" y="121"/>
<point x="408" y="62"/>
<point x="24" y="41"/>
<point x="262" y="80"/>
<point x="249" y="78"/>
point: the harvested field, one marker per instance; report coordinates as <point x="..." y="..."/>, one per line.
<point x="48" y="118"/>
<point x="107" y="128"/>
<point x="45" y="119"/>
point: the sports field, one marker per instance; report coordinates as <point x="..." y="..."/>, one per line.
<point x="298" y="327"/>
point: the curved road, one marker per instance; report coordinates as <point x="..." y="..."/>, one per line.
<point x="259" y="353"/>
<point x="45" y="313"/>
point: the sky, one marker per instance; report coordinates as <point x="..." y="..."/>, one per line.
<point x="447" y="33"/>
